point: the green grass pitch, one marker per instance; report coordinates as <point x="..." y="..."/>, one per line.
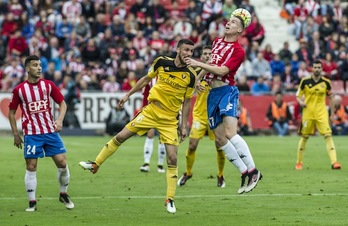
<point x="119" y="194"/>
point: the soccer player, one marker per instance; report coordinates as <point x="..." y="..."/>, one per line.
<point x="40" y="131"/>
<point x="227" y="56"/>
<point x="173" y="90"/>
<point x="148" y="145"/>
<point x="311" y="95"/>
<point x="199" y="128"/>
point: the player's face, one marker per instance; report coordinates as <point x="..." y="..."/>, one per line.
<point x="34" y="69"/>
<point x="233" y="26"/>
<point x="184" y="52"/>
<point x="317" y="69"/>
<point x="205" y="55"/>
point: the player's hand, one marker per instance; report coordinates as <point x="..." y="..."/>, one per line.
<point x="191" y="62"/>
<point x="123" y="100"/>
<point x="199" y="88"/>
<point x="58" y="125"/>
<point x="303" y="104"/>
<point x="183" y="134"/>
<point x="18" y="141"/>
<point x="333" y="118"/>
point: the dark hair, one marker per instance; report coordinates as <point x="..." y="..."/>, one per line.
<point x="317" y="62"/>
<point x="279" y="92"/>
<point x="29" y="59"/>
<point x="185" y="41"/>
<point x="206" y="47"/>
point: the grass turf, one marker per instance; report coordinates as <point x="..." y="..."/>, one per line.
<point x="119" y="194"/>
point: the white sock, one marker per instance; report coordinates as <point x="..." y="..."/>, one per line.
<point x="161" y="154"/>
<point x="243" y="151"/>
<point x="233" y="157"/>
<point x="30" y="184"/>
<point x="63" y="179"/>
<point x="148" y="148"/>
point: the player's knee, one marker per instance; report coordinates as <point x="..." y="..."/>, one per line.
<point x="328" y="135"/>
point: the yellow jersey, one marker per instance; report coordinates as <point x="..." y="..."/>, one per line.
<point x="173" y="84"/>
<point x="200" y="107"/>
<point x="314" y="94"/>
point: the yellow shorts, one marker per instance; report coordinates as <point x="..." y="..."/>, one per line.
<point x="199" y="128"/>
<point x="308" y="126"/>
<point x="152" y="116"/>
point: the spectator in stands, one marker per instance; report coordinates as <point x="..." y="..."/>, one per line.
<point x="139" y="10"/>
<point x="51" y="68"/>
<point x="90" y="53"/>
<point x="309" y="28"/>
<point x="245" y="127"/>
<point x="245" y="69"/>
<point x="252" y="51"/>
<point x="304" y="54"/>
<point x="255" y="31"/>
<point x="183" y="27"/>
<point x="300" y="18"/>
<point x="227" y="8"/>
<point x="110" y="85"/>
<point x="210" y="9"/>
<point x="83" y="29"/>
<point x="303" y="71"/>
<point x="3" y="11"/>
<point x="9" y="26"/>
<point x="316" y="45"/>
<point x="14" y="73"/>
<point x="156" y="42"/>
<point x="132" y="61"/>
<point x="88" y="10"/>
<point x="261" y="67"/>
<point x="268" y="53"/>
<point x="277" y="65"/>
<point x="139" y="41"/>
<point x="330" y="67"/>
<point x="245" y="4"/>
<point x="326" y="28"/>
<point x="339" y="125"/>
<point x="174" y="11"/>
<point x="242" y="84"/>
<point x="278" y="115"/>
<point x="122" y="72"/>
<point x="285" y="54"/>
<point x="289" y="79"/>
<point x="116" y="120"/>
<point x="130" y="81"/>
<point x="72" y="42"/>
<point x="260" y="87"/>
<point x="193" y="10"/>
<point x="72" y="10"/>
<point x="157" y="11"/>
<point x="17" y="45"/>
<point x="148" y="27"/>
<point x="63" y="30"/>
<point x="277" y="84"/>
<point x="344" y="72"/>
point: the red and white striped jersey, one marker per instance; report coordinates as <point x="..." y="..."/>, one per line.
<point x="35" y="102"/>
<point x="146" y="90"/>
<point x="229" y="54"/>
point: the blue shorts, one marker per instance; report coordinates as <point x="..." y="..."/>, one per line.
<point x="222" y="101"/>
<point x="41" y="145"/>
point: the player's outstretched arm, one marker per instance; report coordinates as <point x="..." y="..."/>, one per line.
<point x="141" y="83"/>
<point x="216" y="70"/>
<point x="17" y="139"/>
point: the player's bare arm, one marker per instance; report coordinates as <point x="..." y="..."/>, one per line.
<point x="17" y="141"/>
<point x="58" y="124"/>
<point x="332" y="107"/>
<point x="198" y="87"/>
<point x="216" y="70"/>
<point x="301" y="102"/>
<point x="138" y="86"/>
<point x="185" y="113"/>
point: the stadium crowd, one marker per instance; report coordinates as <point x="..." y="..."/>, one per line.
<point x="107" y="45"/>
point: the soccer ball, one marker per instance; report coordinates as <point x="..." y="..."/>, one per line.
<point x="244" y="14"/>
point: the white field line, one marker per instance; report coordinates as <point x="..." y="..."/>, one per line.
<point x="186" y="196"/>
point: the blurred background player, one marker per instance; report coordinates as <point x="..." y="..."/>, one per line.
<point x="116" y="120"/>
<point x="311" y="95"/>
<point x="150" y="136"/>
<point x="339" y="124"/>
<point x="199" y="128"/>
<point x="41" y="137"/>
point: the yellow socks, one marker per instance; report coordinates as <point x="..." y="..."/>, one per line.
<point x="330" y="148"/>
<point x="109" y="149"/>
<point x="172" y="177"/>
<point x="220" y="156"/>
<point x="301" y="148"/>
<point x="190" y="159"/>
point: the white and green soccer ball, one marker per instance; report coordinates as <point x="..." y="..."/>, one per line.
<point x="244" y="14"/>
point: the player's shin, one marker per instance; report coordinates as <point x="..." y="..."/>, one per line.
<point x="220" y="157"/>
<point x="330" y="147"/>
<point x="63" y="179"/>
<point x="190" y="159"/>
<point x="172" y="177"/>
<point x="233" y="157"/>
<point x="108" y="149"/>
<point x="30" y="184"/>
<point x="301" y="148"/>
<point x="243" y="151"/>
